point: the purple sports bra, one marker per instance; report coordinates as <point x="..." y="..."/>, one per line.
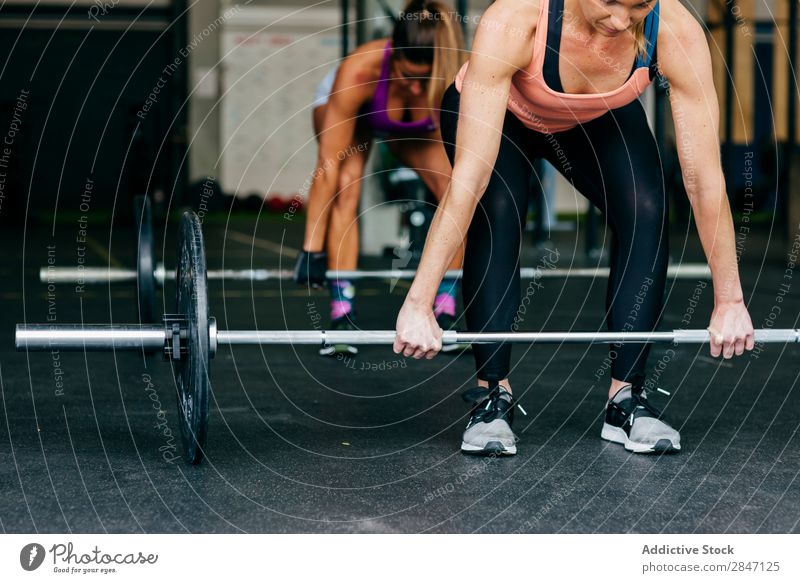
<point x="375" y="111"/>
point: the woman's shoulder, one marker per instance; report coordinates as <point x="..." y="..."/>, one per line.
<point x="507" y="31"/>
<point x="676" y="22"/>
<point x="370" y="48"/>
<point x="679" y="35"/>
<point x="363" y="65"/>
<point x="509" y="16"/>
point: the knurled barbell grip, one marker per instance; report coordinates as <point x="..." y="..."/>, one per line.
<point x="93" y="337"/>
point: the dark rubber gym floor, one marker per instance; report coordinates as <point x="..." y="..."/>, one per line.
<point x="301" y="443"/>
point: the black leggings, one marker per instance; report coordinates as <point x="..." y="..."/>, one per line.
<point x="613" y="161"/>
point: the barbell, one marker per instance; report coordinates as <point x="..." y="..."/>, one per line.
<point x="189" y="338"/>
<point x="145" y="260"/>
<point x="149" y="274"/>
<point x="145" y="274"/>
<point x="102" y="275"/>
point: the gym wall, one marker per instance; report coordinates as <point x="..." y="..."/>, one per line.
<point x="75" y="83"/>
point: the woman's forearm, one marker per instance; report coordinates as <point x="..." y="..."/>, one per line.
<point x="715" y="227"/>
<point x="445" y="237"/>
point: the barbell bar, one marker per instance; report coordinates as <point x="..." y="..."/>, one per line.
<point x="100" y="337"/>
<point x="93" y="275"/>
<point x="148" y="273"/>
<point x="145" y="274"/>
<point x="189" y="338"/>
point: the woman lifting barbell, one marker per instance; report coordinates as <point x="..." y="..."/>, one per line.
<point x="552" y="79"/>
<point x="388" y="88"/>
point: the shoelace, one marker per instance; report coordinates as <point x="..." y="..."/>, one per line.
<point x="495" y="407"/>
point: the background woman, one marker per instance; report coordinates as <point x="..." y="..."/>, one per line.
<point x="387" y="88"/>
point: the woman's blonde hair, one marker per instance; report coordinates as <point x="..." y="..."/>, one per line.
<point x="639" y="39"/>
<point x="428" y="32"/>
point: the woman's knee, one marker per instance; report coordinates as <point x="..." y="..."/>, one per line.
<point x="348" y="191"/>
<point x="643" y="217"/>
<point x="651" y="203"/>
<point x="500" y="214"/>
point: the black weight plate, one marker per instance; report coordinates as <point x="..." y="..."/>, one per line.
<point x="192" y="371"/>
<point x="145" y="260"/>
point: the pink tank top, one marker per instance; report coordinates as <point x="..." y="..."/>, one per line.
<point x="541" y="108"/>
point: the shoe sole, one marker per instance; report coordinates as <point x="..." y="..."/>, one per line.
<point x="491" y="448"/>
<point x="617" y="435"/>
<point x="335" y="349"/>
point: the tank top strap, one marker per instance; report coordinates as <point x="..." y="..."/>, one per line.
<point x="650" y="35"/>
<point x="381" y="95"/>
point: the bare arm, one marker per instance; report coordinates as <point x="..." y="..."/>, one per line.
<point x="335" y="137"/>
<point x="502" y="46"/>
<point x="686" y="63"/>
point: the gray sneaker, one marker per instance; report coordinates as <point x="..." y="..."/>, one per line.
<point x="489" y="429"/>
<point x="633" y="422"/>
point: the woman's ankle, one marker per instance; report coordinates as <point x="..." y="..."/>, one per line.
<point x="616" y="385"/>
<point x="504" y="383"/>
